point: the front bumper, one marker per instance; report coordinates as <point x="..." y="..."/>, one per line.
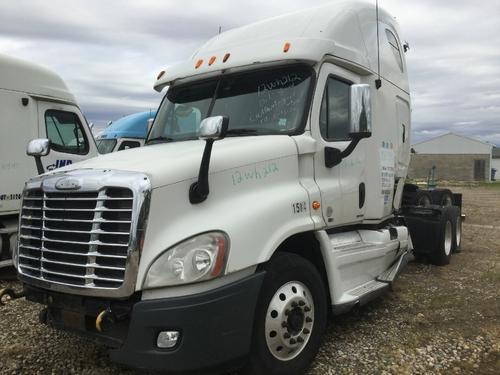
<point x="216" y="327"/>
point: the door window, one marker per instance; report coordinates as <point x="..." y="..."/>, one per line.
<point x="334" y="112"/>
<point x="65" y="132"/>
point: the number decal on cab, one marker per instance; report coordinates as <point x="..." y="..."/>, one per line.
<point x="299" y="207"/>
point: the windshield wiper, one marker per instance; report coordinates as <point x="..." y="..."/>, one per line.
<point x="159" y="139"/>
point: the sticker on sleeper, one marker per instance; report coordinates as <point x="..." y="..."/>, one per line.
<point x="386" y="173"/>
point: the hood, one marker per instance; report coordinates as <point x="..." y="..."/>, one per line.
<point x="168" y="163"/>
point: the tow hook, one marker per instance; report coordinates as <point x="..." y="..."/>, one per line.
<point x="7" y="295"/>
<point x="105" y="320"/>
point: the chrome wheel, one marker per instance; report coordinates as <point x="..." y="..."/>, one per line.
<point x="289" y="320"/>
<point x="458" y="232"/>
<point x="448" y="238"/>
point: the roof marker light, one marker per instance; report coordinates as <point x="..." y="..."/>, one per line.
<point x="161" y="74"/>
<point x="226" y="57"/>
<point x="212" y="60"/>
<point x="286" y="47"/>
<point x="198" y="63"/>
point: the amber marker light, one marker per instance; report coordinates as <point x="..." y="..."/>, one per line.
<point x="316" y="205"/>
<point x="161" y="74"/>
<point x="226" y="57"/>
<point x="198" y="63"/>
<point x="286" y="47"/>
<point x="219" y="262"/>
<point x="212" y="60"/>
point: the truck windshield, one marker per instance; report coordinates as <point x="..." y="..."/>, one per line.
<point x="257" y="103"/>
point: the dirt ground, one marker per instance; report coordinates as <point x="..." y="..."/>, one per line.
<point x="437" y="320"/>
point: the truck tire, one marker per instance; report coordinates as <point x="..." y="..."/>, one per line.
<point x="442" y="252"/>
<point x="442" y="197"/>
<point x="290" y="317"/>
<point x="432" y="231"/>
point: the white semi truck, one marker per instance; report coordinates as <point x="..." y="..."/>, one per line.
<point x="230" y="237"/>
<point x="34" y="103"/>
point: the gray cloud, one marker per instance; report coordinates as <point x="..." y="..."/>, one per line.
<point x="110" y="51"/>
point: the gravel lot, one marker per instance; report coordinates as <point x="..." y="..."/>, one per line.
<point x="438" y="320"/>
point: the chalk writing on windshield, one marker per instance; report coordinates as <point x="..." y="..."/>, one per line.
<point x="276" y="99"/>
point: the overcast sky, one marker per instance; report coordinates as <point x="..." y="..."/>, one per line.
<point x="109" y="52"/>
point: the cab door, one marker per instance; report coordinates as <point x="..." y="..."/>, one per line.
<point x="70" y="137"/>
<point x="342" y="186"/>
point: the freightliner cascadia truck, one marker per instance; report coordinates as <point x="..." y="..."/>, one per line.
<point x="34" y="103"/>
<point x="267" y="197"/>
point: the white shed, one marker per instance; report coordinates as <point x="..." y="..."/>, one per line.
<point x="453" y="157"/>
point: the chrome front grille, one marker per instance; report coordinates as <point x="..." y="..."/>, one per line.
<point x="77" y="239"/>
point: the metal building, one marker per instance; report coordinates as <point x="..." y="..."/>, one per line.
<point x="453" y="157"/>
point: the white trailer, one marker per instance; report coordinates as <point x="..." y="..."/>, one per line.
<point x="230" y="240"/>
<point x="34" y="103"/>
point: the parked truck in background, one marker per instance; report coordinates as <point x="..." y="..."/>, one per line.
<point x="127" y="132"/>
<point x="269" y="196"/>
<point x="34" y="103"/>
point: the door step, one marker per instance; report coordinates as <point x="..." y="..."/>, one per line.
<point x="367" y="288"/>
<point x="373" y="289"/>
<point x="391" y="273"/>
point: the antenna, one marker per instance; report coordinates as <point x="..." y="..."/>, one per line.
<point x="220" y="29"/>
<point x="378" y="81"/>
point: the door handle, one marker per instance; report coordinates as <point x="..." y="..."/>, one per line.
<point x="362" y="194"/>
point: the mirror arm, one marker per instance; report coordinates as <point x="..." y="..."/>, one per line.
<point x="333" y="156"/>
<point x="356" y="137"/>
<point x="350" y="148"/>
<point x="199" y="190"/>
<point x="39" y="165"/>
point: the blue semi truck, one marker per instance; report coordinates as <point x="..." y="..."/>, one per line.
<point x="128" y="132"/>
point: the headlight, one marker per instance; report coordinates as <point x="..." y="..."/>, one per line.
<point x="199" y="258"/>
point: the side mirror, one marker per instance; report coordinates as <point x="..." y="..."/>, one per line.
<point x="360" y="124"/>
<point x="38" y="148"/>
<point x="361" y="112"/>
<point x="213" y="128"/>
